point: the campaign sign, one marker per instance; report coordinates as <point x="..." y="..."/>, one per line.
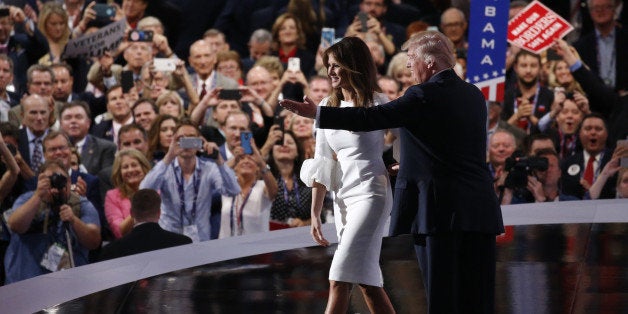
<point x="536" y="27"/>
<point x="95" y="44"/>
<point x="486" y="57"/>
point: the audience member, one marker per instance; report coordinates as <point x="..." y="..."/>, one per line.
<point x="160" y="136"/>
<point x="129" y="169"/>
<point x="144" y="112"/>
<point x="119" y="109"/>
<point x="453" y="24"/>
<point x="96" y="154"/>
<point x="249" y="211"/>
<point x="289" y="41"/>
<point x="582" y="168"/>
<point x="179" y="178"/>
<point x="611" y="169"/>
<point x="501" y="145"/>
<point x="260" y="44"/>
<point x="40" y="222"/>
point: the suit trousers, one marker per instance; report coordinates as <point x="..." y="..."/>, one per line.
<point x="458" y="271"/>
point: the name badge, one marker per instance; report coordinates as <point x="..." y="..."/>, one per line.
<point x="56" y="258"/>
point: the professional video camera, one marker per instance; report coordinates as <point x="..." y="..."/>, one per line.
<point x="59" y="182"/>
<point x="519" y="167"/>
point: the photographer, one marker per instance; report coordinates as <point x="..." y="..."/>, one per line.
<point x="541" y="175"/>
<point x="41" y="222"/>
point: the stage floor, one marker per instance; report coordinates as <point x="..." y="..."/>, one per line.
<point x="557" y="268"/>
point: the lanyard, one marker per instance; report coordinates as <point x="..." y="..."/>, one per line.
<point x="239" y="212"/>
<point x="295" y="188"/>
<point x="180" y="182"/>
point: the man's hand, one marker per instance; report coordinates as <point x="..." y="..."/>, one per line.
<point x="66" y="213"/>
<point x="307" y="108"/>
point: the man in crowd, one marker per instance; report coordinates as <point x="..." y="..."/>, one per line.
<point x="7" y="98"/>
<point x="454" y="25"/>
<point x="36" y="114"/>
<point x="39" y="79"/>
<point x="120" y="112"/>
<point x="186" y="184"/>
<point x="260" y="44"/>
<point x="144" y="113"/>
<point x="39" y="222"/>
<point x="146" y="234"/>
<point x="581" y="169"/>
<point x="527" y="101"/>
<point x="96" y="153"/>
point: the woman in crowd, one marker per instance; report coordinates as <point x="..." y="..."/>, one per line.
<point x="568" y="116"/>
<point x="160" y="136"/>
<point x="129" y="169"/>
<point x="229" y="64"/>
<point x="170" y="103"/>
<point x="291" y="207"/>
<point x="53" y="23"/>
<point x="363" y="200"/>
<point x="289" y="41"/>
<point x="397" y="69"/>
<point x="303" y="129"/>
<point x="249" y="211"/>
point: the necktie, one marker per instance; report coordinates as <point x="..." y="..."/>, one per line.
<point x="588" y="171"/>
<point x="37" y="154"/>
<point x="203" y="91"/>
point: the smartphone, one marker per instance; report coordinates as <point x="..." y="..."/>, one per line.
<point x="4" y="12"/>
<point x="191" y="142"/>
<point x="104" y="12"/>
<point x="126" y="81"/>
<point x="230" y="94"/>
<point x="328" y="35"/>
<point x="279" y="120"/>
<point x="164" y="64"/>
<point x="141" y="36"/>
<point x="294" y="64"/>
<point x="245" y="142"/>
<point x="363" y="17"/>
<point x="623" y="162"/>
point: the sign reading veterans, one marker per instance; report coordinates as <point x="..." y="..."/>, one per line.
<point x="95" y="44"/>
<point x="536" y="27"/>
<point x="486" y="56"/>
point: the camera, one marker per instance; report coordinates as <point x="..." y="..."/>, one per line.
<point x="520" y="167"/>
<point x="59" y="182"/>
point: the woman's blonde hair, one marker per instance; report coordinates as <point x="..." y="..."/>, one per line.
<point x="47" y="10"/>
<point x="170" y="95"/>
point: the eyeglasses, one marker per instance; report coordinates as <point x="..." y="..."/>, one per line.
<point x="600" y="8"/>
<point x="227" y="67"/>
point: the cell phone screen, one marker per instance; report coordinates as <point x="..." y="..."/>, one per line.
<point x="245" y="142"/>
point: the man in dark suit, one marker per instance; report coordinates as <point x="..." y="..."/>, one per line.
<point x="96" y="154"/>
<point x="603" y="49"/>
<point x="444" y="193"/>
<point x="120" y="111"/>
<point x="63" y="85"/>
<point x="146" y="235"/>
<point x="577" y="177"/>
<point x="7" y="99"/>
<point x="35" y="116"/>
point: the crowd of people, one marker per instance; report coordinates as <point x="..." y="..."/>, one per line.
<point x="79" y="141"/>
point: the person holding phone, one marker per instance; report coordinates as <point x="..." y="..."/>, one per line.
<point x="249" y="211"/>
<point x="289" y="41"/>
<point x="187" y="184"/>
<point x="350" y="164"/>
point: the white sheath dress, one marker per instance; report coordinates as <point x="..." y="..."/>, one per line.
<point x="362" y="200"/>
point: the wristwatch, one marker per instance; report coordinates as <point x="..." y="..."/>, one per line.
<point x="265" y="169"/>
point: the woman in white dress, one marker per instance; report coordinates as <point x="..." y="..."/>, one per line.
<point x="350" y="164"/>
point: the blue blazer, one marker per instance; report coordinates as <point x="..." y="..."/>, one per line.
<point x="443" y="183"/>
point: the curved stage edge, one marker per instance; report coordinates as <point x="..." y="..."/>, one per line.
<point x="555" y="257"/>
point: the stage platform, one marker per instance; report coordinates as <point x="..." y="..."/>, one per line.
<point x="569" y="257"/>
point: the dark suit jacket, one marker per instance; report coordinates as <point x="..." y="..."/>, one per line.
<point x="146" y="237"/>
<point x="571" y="178"/>
<point x="443" y="183"/>
<point x="97" y="154"/>
<point x="587" y="48"/>
<point x="25" y="50"/>
<point x="103" y="130"/>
